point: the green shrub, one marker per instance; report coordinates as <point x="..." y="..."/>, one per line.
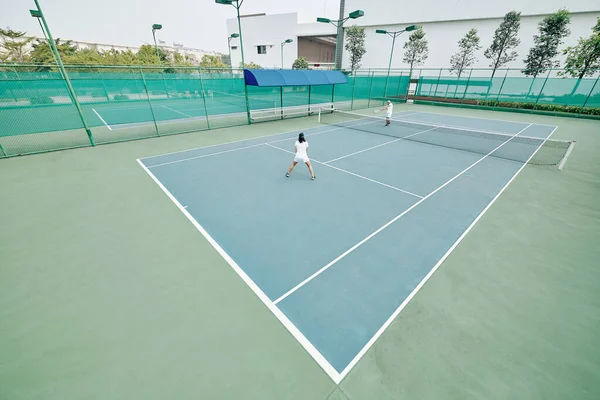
<point x="41" y="100"/>
<point x="540" y="107"/>
<point x="121" y="97"/>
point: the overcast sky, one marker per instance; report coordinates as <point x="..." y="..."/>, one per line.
<point x="193" y="23"/>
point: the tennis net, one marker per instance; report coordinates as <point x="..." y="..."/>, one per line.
<point x="520" y="148"/>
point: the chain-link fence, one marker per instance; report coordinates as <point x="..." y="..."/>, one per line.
<point x="118" y="103"/>
<point x="550" y="92"/>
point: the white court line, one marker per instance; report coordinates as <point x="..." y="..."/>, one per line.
<point x="389" y="321"/>
<point x="240" y="148"/>
<point x="102" y="119"/>
<point x="351" y="173"/>
<point x="357" y="245"/>
<point x="206" y="155"/>
<point x="380" y="145"/>
<point x="308" y="346"/>
<point x="486" y="119"/>
<point x="178" y="112"/>
<point x="226" y="143"/>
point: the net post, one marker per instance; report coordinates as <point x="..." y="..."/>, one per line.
<point x="149" y="102"/>
<point x="319" y="117"/>
<point x="204" y="97"/>
<point x="567" y="154"/>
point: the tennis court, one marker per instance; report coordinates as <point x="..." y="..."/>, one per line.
<point x="338" y="258"/>
<point x="437" y="258"/>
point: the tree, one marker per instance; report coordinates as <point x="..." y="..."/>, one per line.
<point x="416" y="48"/>
<point x="146" y="55"/>
<point x="251" y="65"/>
<point x="225" y="59"/>
<point x="355" y="44"/>
<point x="210" y="61"/>
<point x="14" y="45"/>
<point x="465" y="57"/>
<point x="552" y="30"/>
<point x="583" y="59"/>
<point x="41" y="52"/>
<point x="300" y="63"/>
<point x="505" y="40"/>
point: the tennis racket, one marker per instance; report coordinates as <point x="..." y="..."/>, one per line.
<point x="377" y="110"/>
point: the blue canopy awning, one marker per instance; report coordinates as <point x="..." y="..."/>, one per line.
<point x="293" y="77"/>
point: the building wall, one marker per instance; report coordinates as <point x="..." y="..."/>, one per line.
<point x="314" y="51"/>
<point x="442" y="38"/>
<point x="265" y="30"/>
<point x="388" y="12"/>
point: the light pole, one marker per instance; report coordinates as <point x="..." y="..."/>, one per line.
<point x="394" y="35"/>
<point x="237" y="4"/>
<point x="283" y="44"/>
<point x="38" y="14"/>
<point x="155" y="28"/>
<point x="338" y="24"/>
<point x="233" y="36"/>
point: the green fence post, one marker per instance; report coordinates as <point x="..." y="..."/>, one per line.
<point x="353" y="89"/>
<point x="309" y="87"/>
<point x="104" y="86"/>
<point x="281" y="100"/>
<point x="370" y="89"/>
<point x="333" y="96"/>
<point x="398" y="88"/>
<point x="203" y="98"/>
<point x="437" y="83"/>
<point x="3" y="152"/>
<point x="61" y="67"/>
<point x="165" y="84"/>
<point x="466" y="87"/>
<point x="541" y="91"/>
<point x="589" y="95"/>
<point x="149" y="102"/>
<point x="418" y="87"/>
<point x="501" y="87"/>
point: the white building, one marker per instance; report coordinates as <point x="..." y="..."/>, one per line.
<point x="194" y="54"/>
<point x="444" y="22"/>
<point x="263" y="35"/>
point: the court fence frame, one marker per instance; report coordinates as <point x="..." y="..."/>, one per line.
<point x="37" y="115"/>
<point x="128" y="102"/>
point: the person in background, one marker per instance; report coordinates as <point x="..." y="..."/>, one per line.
<point x="389" y="109"/>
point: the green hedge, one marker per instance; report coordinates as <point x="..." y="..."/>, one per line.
<point x="540" y="107"/>
<point x="41" y="100"/>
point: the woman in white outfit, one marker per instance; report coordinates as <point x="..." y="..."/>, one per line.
<point x="301" y="150"/>
<point x="388" y="112"/>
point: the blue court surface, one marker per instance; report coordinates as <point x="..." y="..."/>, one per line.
<point x="336" y="259"/>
